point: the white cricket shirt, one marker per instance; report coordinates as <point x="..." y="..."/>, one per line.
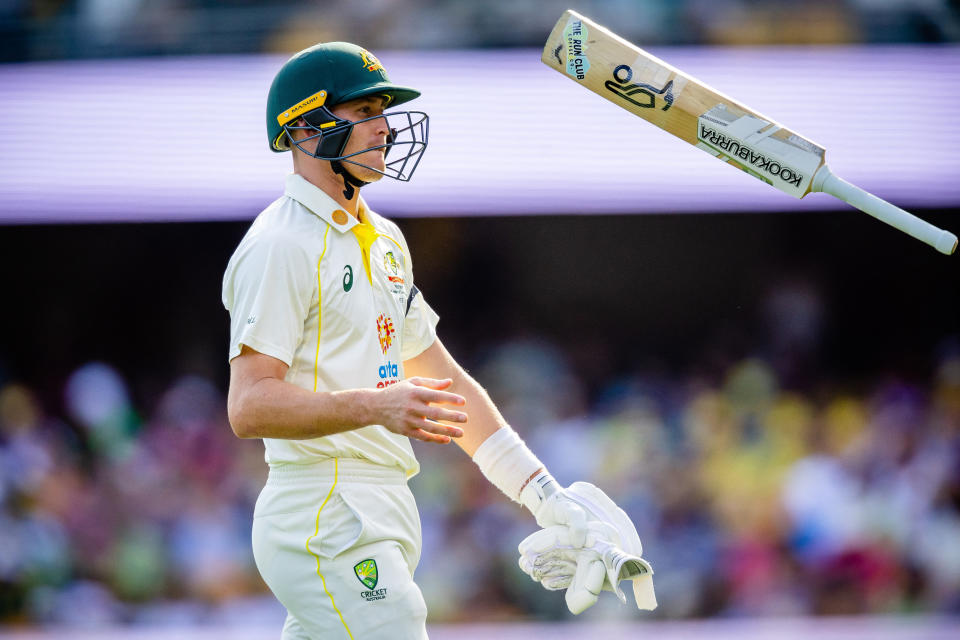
<point x="333" y="298"/>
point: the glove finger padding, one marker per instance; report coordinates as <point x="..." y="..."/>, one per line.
<point x="543" y="540"/>
<point x="559" y="582"/>
<point x="550" y="557"/>
<point x="559" y="511"/>
<point x="587" y="583"/>
<point x="546" y="556"/>
<point x="556" y="545"/>
<point x="623" y="557"/>
<point x="552" y="573"/>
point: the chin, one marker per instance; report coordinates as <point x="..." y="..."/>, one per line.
<point x="371" y="176"/>
<point x="376" y="161"/>
<point x="369" y="173"/>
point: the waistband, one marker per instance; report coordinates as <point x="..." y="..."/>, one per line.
<point x="344" y="470"/>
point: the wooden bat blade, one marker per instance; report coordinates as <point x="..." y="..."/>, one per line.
<point x="650" y="88"/>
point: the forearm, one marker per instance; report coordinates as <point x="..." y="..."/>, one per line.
<point x="272" y="408"/>
<point x="484" y="417"/>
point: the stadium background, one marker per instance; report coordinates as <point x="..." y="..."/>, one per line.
<point x="773" y="394"/>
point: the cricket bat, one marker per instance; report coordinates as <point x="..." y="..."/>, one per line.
<point x="646" y="86"/>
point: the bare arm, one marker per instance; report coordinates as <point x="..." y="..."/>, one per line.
<point x="261" y="404"/>
<point x="485" y="419"/>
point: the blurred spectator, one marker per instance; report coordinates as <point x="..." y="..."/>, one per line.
<point x="750" y="499"/>
<point x="45" y="29"/>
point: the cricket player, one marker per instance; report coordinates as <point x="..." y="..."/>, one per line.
<point x="335" y="363"/>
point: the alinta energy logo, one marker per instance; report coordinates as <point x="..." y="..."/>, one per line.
<point x="389" y="374"/>
<point x="385" y="332"/>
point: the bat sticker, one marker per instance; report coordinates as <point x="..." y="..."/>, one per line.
<point x="618" y="86"/>
<point x="747" y="142"/>
<point x="575" y="36"/>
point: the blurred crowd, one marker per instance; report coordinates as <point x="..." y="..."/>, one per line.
<point x="750" y="499"/>
<point x="53" y="29"/>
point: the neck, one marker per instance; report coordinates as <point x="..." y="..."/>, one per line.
<point x="322" y="176"/>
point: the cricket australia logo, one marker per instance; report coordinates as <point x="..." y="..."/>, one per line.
<point x="385" y="332"/>
<point x="619" y="86"/>
<point x="370" y="61"/>
<point x="366" y="572"/>
<point x="392" y="266"/>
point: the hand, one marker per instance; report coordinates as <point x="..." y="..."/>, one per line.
<point x="560" y="509"/>
<point x="407" y="408"/>
<point x="549" y="557"/>
<point x="578" y="505"/>
<point x="588" y="542"/>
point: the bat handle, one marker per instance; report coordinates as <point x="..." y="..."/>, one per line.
<point x="826" y="181"/>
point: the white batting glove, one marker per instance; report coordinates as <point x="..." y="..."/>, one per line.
<point x="551" y="505"/>
<point x="548" y="556"/>
<point x="510" y="465"/>
<point x="584" y="558"/>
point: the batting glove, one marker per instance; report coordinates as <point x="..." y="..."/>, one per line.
<point x="588" y="544"/>
<point x="549" y="557"/>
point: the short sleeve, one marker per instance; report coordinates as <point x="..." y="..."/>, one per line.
<point x="268" y="288"/>
<point x="420" y="321"/>
<point x="419" y="326"/>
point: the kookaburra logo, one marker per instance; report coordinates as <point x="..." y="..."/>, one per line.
<point x="623" y="74"/>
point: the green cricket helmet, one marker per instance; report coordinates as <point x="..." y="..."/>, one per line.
<point x="325" y="75"/>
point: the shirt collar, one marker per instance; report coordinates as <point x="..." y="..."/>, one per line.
<point x="325" y="207"/>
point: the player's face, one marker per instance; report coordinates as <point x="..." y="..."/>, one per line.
<point x="365" y="135"/>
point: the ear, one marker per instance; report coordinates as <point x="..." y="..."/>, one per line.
<point x="297" y="134"/>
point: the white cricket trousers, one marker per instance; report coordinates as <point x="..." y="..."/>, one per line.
<point x="337" y="542"/>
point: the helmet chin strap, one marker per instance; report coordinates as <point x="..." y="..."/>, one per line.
<point x="350" y="182"/>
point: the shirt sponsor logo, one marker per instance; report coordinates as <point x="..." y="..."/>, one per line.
<point x="347" y="278"/>
<point x="385" y="332"/>
<point x="389" y="374"/>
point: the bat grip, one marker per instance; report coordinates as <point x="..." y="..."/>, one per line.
<point x="828" y="182"/>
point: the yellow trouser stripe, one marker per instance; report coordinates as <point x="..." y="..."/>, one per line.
<point x="316" y="531"/>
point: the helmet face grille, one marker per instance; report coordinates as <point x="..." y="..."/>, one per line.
<point x="328" y="136"/>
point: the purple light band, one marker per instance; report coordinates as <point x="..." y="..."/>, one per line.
<point x="183" y="139"/>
